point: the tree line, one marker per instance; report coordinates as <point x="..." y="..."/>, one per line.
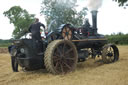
<point x="119" y="38"/>
<point x="5" y="43"/>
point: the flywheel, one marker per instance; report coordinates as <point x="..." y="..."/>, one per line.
<point x="67" y="33"/>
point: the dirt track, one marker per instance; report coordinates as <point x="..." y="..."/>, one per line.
<point x="3" y="50"/>
<point x="87" y="73"/>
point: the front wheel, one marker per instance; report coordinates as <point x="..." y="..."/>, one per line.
<point x="60" y="57"/>
<point x="110" y="53"/>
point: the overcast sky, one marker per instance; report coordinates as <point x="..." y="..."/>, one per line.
<point x="111" y="18"/>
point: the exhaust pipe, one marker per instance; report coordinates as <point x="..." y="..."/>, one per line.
<point x="94" y="21"/>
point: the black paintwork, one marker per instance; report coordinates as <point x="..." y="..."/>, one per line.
<point x="83" y="37"/>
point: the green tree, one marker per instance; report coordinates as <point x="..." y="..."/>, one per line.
<point x="63" y="11"/>
<point x="21" y="20"/>
<point x="121" y="2"/>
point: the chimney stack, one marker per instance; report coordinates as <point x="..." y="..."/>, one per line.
<point x="94" y="21"/>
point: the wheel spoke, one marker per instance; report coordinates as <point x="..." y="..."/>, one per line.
<point x="62" y="68"/>
<point x="64" y="30"/>
<point x="67" y="29"/>
<point x="55" y="59"/>
<point x="67" y="65"/>
<point x="69" y="36"/>
<point x="59" y="51"/>
<point x="63" y="34"/>
<point x="71" y="49"/>
<point x="110" y="48"/>
<point x="69" y="58"/>
<point x="57" y="65"/>
<point x="70" y="32"/>
<point x="66" y="37"/>
<point x="110" y="58"/>
<point x="113" y="52"/>
<point x="56" y="54"/>
<point x="64" y="48"/>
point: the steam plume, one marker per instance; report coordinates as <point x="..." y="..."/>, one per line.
<point x="94" y="4"/>
<point x="66" y="3"/>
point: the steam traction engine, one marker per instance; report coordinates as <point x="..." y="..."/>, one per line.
<point x="63" y="48"/>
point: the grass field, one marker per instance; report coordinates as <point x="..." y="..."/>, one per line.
<point x="87" y="73"/>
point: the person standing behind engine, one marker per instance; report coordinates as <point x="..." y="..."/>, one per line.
<point x="35" y="30"/>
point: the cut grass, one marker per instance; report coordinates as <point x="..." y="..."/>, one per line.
<point x="87" y="73"/>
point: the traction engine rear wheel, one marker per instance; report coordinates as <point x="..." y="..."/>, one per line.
<point x="60" y="57"/>
<point x="110" y="53"/>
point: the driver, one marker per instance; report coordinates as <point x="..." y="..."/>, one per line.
<point x="35" y="30"/>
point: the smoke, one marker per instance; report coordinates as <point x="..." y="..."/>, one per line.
<point x="66" y="3"/>
<point x="94" y="4"/>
